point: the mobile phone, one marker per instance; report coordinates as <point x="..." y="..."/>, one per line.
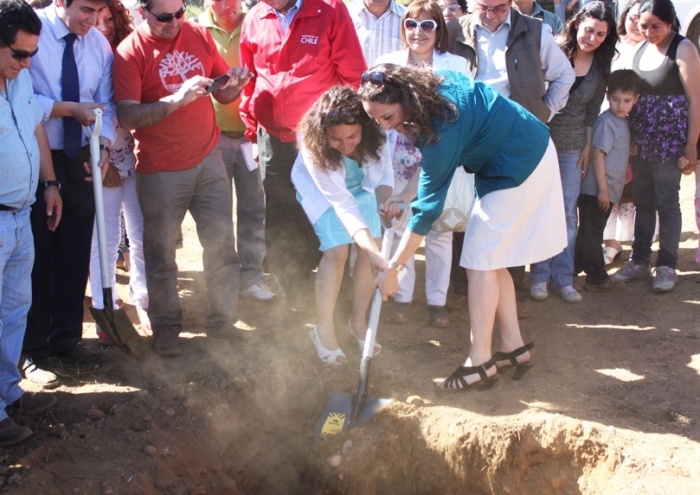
<point x="217" y="84"/>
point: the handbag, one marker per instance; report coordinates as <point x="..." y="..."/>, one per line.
<point x="458" y="203"/>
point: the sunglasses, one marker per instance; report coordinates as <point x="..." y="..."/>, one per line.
<point x="427" y="26"/>
<point x="168" y="17"/>
<point x="377" y="78"/>
<point x="20" y="55"/>
<point x="498" y="9"/>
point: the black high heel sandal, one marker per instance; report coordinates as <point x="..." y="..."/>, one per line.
<point x="519" y="369"/>
<point x="457" y="381"/>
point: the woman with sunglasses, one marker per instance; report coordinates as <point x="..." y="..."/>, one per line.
<point x="518" y="217"/>
<point x="425" y="39"/>
<point x="343" y="160"/>
<point x="589" y="43"/>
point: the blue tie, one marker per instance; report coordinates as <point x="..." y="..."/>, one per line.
<point x="70" y="91"/>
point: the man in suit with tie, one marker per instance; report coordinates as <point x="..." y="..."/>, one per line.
<point x="72" y="75"/>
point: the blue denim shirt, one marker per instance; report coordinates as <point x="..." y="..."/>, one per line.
<point x="286" y="19"/>
<point x="19" y="150"/>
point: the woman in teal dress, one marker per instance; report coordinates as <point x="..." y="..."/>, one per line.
<point x="343" y="160"/>
<point x="518" y="216"/>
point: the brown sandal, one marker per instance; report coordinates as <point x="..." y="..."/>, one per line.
<point x="439" y="317"/>
<point x="400" y="312"/>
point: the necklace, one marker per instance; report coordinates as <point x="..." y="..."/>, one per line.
<point x="419" y="63"/>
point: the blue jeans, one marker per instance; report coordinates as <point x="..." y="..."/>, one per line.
<point x="560" y="268"/>
<point x="16" y="261"/>
<point x="250" y="210"/>
<point x="165" y="197"/>
<point x="655" y="189"/>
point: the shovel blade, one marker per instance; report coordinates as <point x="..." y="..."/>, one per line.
<point x="335" y="418"/>
<point x="119" y="329"/>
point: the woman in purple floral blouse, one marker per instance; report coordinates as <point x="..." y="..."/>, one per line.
<point x="665" y="125"/>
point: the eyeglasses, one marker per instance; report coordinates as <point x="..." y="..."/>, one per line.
<point x="377" y="78"/>
<point x="20" y="55"/>
<point x="427" y="26"/>
<point x="498" y="9"/>
<point x="453" y="7"/>
<point x="168" y="17"/>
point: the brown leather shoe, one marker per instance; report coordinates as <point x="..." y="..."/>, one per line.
<point x="524" y="309"/>
<point x="455" y="301"/>
<point x="31" y="403"/>
<point x="11" y="433"/>
<point x="166" y="342"/>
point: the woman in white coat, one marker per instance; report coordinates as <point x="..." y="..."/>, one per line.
<point x="344" y="159"/>
<point x="424" y="39"/>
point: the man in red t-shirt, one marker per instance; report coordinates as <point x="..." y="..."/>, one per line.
<point x="162" y="72"/>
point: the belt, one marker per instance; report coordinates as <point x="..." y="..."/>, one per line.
<point x="233" y="134"/>
<point x="8" y="208"/>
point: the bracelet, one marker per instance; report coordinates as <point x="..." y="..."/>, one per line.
<point x="49" y="183"/>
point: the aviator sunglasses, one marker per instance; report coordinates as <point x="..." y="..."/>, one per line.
<point x="168" y="17"/>
<point x="427" y="26"/>
<point x="20" y="55"/>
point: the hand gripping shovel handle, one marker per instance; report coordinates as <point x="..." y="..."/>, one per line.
<point x="371" y="336"/>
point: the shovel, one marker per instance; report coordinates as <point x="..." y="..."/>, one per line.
<point x="113" y="322"/>
<point x="343" y="411"/>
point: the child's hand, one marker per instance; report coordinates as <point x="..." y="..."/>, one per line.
<point x="604" y="200"/>
<point x="685" y="165"/>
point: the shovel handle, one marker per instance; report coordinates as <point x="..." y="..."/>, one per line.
<point x="94" y="134"/>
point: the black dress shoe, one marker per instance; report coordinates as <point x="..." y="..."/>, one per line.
<point x="81" y="356"/>
<point x="11" y="433"/>
<point x="31" y="403"/>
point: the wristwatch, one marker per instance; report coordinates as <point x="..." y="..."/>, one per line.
<point x="49" y="183"/>
<point x="395" y="266"/>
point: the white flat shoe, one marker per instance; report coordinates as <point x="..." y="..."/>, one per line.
<point x="377" y="346"/>
<point x="610" y="254"/>
<point x="336" y="357"/>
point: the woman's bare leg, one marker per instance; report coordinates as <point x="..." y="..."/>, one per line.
<point x="362" y="278"/>
<point x="328" y="279"/>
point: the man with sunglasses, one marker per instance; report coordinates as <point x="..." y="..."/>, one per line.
<point x="163" y="75"/>
<point x="296" y="50"/>
<point x="378" y="25"/>
<point x="25" y="160"/>
<point x="72" y="75"/>
<point x="532" y="71"/>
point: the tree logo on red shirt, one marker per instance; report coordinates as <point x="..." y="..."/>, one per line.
<point x="177" y="67"/>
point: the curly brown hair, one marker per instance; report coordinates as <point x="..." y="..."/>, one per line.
<point x="416" y="90"/>
<point x="123" y="21"/>
<point x="340" y="105"/>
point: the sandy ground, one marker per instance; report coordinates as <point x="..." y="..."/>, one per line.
<point x="611" y="406"/>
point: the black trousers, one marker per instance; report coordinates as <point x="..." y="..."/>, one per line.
<point x="292" y="245"/>
<point x="61" y="266"/>
<point x="588" y="256"/>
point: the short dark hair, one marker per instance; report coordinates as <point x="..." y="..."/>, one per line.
<point x="626" y="81"/>
<point x="108" y="2"/>
<point x="17" y="15"/>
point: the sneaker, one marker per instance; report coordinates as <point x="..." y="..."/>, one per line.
<point x="258" y="292"/>
<point x="30" y="403"/>
<point x="571" y="295"/>
<point x="11" y="433"/>
<point x="631" y="271"/>
<point x="166" y="342"/>
<point x="36" y="373"/>
<point x="665" y="279"/>
<point x="609" y="285"/>
<point x="538" y="292"/>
